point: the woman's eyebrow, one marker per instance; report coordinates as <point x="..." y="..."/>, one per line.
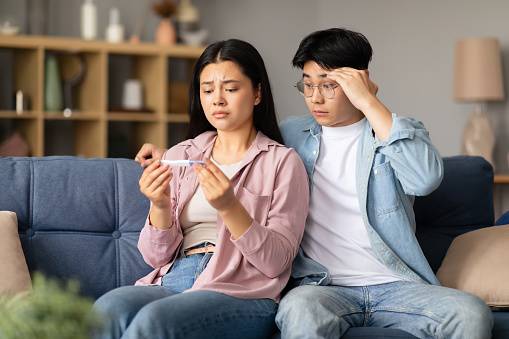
<point x="224" y="82"/>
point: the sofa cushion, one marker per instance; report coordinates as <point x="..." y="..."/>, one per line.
<point x="477" y="262"/>
<point x="14" y="275"/>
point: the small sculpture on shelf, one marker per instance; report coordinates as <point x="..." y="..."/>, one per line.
<point x="72" y="76"/>
<point x="189" y="30"/>
<point x="165" y="33"/>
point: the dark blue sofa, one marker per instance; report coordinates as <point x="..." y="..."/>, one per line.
<point x="80" y="218"/>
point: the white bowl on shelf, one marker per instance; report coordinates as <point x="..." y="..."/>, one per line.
<point x="8" y="27"/>
<point x="194" y="38"/>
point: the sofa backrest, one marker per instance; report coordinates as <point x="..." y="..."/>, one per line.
<point x="78" y="218"/>
<point x="463" y="202"/>
<point x="81" y="218"/>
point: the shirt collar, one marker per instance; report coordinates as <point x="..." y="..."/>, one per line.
<point x="202" y="145"/>
<point x="314" y="128"/>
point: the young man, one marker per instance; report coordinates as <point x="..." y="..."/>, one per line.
<point x="360" y="263"/>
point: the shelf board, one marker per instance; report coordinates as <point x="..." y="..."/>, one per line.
<point x="177" y="117"/>
<point x="132" y="116"/>
<point x="501" y="179"/>
<point x="78" y="45"/>
<point x="76" y="115"/>
<point x="14" y="115"/>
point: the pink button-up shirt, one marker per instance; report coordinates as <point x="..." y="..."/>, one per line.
<point x="272" y="186"/>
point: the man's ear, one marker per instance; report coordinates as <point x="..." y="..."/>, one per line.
<point x="258" y="97"/>
<point x="367" y="72"/>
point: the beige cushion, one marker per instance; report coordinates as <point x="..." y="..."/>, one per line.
<point x="478" y="262"/>
<point x="14" y="275"/>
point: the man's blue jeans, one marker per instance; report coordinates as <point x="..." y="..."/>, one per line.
<point x="164" y="312"/>
<point x="425" y="311"/>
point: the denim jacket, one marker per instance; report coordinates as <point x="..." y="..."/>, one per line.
<point x="389" y="174"/>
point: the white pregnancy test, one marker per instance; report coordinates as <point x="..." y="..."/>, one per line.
<point x="181" y="162"/>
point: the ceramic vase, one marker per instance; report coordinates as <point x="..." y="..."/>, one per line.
<point x="53" y="99"/>
<point x="166" y="33"/>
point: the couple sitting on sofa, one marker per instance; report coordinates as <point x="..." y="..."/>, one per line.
<point x="222" y="235"/>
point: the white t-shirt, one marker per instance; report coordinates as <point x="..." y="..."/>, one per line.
<point x="335" y="235"/>
<point x="198" y="219"/>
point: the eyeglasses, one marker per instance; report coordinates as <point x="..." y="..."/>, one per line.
<point x="307" y="89"/>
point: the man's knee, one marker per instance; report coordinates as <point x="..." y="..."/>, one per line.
<point x="298" y="299"/>
<point x="470" y="315"/>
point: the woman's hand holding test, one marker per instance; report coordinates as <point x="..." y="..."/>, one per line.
<point x="218" y="191"/>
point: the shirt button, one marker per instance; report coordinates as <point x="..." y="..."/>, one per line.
<point x="376" y="172"/>
<point x="314" y="152"/>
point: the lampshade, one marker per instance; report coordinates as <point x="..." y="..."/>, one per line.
<point x="478" y="70"/>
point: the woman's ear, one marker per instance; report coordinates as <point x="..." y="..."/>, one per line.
<point x="258" y="97"/>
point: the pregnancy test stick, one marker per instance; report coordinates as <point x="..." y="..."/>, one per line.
<point x="181" y="162"/>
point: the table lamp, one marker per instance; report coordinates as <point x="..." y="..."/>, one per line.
<point x="478" y="77"/>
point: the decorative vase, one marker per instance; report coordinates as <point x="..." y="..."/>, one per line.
<point x="53" y="100"/>
<point x="166" y="33"/>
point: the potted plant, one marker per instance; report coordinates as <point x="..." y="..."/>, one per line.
<point x="50" y="310"/>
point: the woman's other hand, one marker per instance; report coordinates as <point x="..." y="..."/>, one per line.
<point x="216" y="186"/>
<point x="218" y="191"/>
<point x="149" y="153"/>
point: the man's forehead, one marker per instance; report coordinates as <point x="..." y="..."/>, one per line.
<point x="312" y="69"/>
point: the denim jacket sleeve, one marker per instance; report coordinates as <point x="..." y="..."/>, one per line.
<point x="415" y="160"/>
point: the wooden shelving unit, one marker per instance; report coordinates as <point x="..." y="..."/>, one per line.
<point x="95" y="124"/>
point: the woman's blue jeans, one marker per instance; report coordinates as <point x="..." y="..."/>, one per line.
<point x="425" y="311"/>
<point x="164" y="312"/>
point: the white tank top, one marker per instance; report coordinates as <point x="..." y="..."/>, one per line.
<point x="198" y="219"/>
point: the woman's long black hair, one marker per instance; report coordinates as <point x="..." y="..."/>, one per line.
<point x="251" y="64"/>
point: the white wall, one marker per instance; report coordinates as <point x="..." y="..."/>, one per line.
<point x="413" y="44"/>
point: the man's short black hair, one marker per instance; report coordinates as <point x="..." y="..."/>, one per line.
<point x="333" y="48"/>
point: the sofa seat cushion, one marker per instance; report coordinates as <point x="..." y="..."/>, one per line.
<point x="14" y="275"/>
<point x="477" y="262"/>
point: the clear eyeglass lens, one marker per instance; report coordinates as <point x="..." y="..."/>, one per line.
<point x="327" y="90"/>
<point x="307" y="89"/>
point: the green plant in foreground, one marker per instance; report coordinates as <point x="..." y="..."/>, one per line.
<point x="49" y="311"/>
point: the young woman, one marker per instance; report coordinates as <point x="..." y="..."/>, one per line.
<point x="222" y="236"/>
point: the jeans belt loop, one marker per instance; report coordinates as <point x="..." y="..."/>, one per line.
<point x="199" y="250"/>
